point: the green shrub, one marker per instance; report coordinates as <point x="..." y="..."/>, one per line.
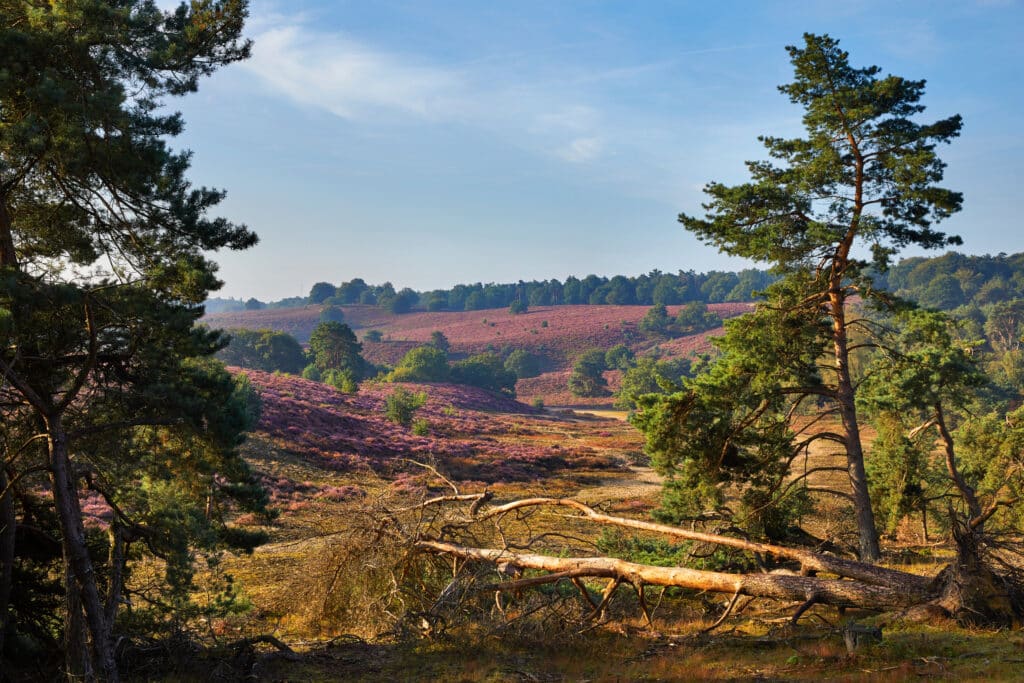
<point x="421" y="427"/>
<point x="402" y="404"/>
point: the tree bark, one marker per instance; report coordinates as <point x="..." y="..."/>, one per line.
<point x="836" y="592"/>
<point x="8" y="256"/>
<point x="867" y="532"/>
<point x="8" y="526"/>
<point x="76" y="554"/>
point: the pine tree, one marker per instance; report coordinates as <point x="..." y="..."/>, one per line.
<point x="865" y="175"/>
<point x="103" y="270"/>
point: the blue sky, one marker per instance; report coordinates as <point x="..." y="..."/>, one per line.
<point x="430" y="143"/>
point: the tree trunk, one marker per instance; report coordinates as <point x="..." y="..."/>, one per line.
<point x="8" y="256"/>
<point x="868" y="533"/>
<point x="76" y="554"/>
<point x="806" y="589"/>
<point x="8" y="526"/>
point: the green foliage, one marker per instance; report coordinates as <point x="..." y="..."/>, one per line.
<point x="312" y="372"/>
<point x="320" y="292"/>
<point x="728" y="427"/>
<point x="266" y="350"/>
<point x="587" y="378"/>
<point x="899" y="473"/>
<point x="111" y="367"/>
<point x="422" y="364"/>
<point x="332" y="314"/>
<point x="420" y="427"/>
<point x="522" y="364"/>
<point x="518" y="306"/>
<point x="619" y="357"/>
<point x="694" y="318"/>
<point x="373" y="336"/>
<point x="334" y="347"/>
<point x="342" y="380"/>
<point x="439" y="341"/>
<point x="486" y="371"/>
<point x="991" y="449"/>
<point x="401" y="405"/>
<point x="650" y="376"/>
<point x="401" y="302"/>
<point x="656" y="322"/>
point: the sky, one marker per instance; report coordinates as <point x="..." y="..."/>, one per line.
<point x="429" y="143"/>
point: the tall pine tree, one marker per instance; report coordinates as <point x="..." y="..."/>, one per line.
<point x="103" y="272"/>
<point x="865" y="176"/>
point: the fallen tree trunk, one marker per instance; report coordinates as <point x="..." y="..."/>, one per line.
<point x="906" y="592"/>
<point x="809" y="561"/>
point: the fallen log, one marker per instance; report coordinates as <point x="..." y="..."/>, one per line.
<point x="809" y="561"/>
<point x="905" y="591"/>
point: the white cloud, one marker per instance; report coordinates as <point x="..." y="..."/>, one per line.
<point x="348" y="79"/>
<point x="357" y="82"/>
<point x="581" y="150"/>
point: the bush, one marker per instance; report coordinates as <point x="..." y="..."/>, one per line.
<point x="523" y="364"/>
<point x="619" y="357"/>
<point x="373" y="336"/>
<point x="486" y="371"/>
<point x="342" y="380"/>
<point x="587" y="378"/>
<point x="518" y="306"/>
<point x="422" y="364"/>
<point x="421" y="427"/>
<point x="402" y="404"/>
<point x="311" y="372"/>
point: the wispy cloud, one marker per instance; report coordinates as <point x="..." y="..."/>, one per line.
<point x="361" y="83"/>
<point x="581" y="150"/>
<point x="350" y="80"/>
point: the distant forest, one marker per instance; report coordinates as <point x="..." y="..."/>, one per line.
<point x="944" y="282"/>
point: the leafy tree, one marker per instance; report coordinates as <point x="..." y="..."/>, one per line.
<point x="866" y="172"/>
<point x="486" y="371"/>
<point x="334" y="347"/>
<point x="332" y="314"/>
<point x="522" y="364"/>
<point x="694" y="318"/>
<point x="373" y="336"/>
<point x="619" y="357"/>
<point x="320" y="292"/>
<point x="439" y="341"/>
<point x="422" y="364"/>
<point x="400" y="303"/>
<point x="94" y="365"/>
<point x="266" y="350"/>
<point x="518" y="306"/>
<point x="350" y="292"/>
<point x="655" y="322"/>
<point x="253" y="304"/>
<point x="587" y="378"/>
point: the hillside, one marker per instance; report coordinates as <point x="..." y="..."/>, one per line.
<point x="568" y="327"/>
<point x="472" y="435"/>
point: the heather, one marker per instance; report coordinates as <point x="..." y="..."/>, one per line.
<point x="472" y="434"/>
